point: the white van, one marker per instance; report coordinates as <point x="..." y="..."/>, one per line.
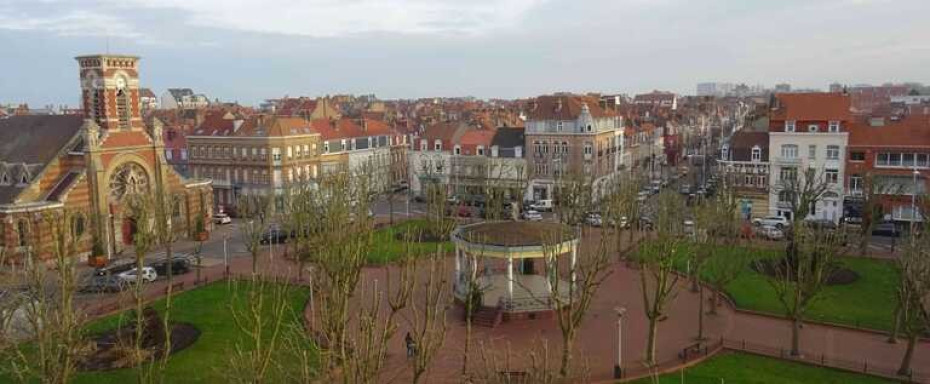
<point x="542" y="206"/>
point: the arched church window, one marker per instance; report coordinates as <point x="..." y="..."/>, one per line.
<point x="123" y="111"/>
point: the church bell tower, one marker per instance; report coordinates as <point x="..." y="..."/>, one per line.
<point x="110" y="91"/>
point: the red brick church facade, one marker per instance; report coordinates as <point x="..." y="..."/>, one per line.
<point x="87" y="165"/>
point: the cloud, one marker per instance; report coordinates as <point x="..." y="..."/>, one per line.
<point x="71" y="23"/>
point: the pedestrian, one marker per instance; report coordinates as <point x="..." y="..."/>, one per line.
<point x="411" y="345"/>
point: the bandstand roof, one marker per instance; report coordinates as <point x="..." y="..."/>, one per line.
<point x="515" y="239"/>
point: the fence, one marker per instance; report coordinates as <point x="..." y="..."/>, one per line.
<point x="688" y="356"/>
<point x="823" y="360"/>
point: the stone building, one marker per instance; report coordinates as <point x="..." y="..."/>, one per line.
<point x="88" y="166"/>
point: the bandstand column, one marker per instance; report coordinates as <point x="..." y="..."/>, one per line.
<point x="510" y="277"/>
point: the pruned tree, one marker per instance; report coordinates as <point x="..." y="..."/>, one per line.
<point x="255" y="211"/>
<point x="427" y="317"/>
<point x="871" y="195"/>
<point x="141" y="208"/>
<point x="913" y="289"/>
<point x="721" y="269"/>
<point x="800" y="277"/>
<point x="47" y="305"/>
<point x="574" y="194"/>
<point x="259" y="308"/>
<point x="656" y="260"/>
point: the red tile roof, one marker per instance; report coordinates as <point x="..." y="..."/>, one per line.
<point x="910" y="132"/>
<point x="564" y="107"/>
<point x="812" y="107"/>
<point x="348" y="128"/>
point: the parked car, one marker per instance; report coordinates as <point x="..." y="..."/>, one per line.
<point x="773" y="221"/>
<point x="179" y="265"/>
<point x="685" y="189"/>
<point x="820" y="224"/>
<point x="148" y="275"/>
<point x="532" y="215"/>
<point x="593" y="219"/>
<point x="276" y="236"/>
<point x="886" y="229"/>
<point x="542" y="205"/>
<point x="645" y="223"/>
<point x="221" y="218"/>
<point x="106" y="283"/>
<point x="769" y="232"/>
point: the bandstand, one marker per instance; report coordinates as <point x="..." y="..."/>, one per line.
<point x="515" y="266"/>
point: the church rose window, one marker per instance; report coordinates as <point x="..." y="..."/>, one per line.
<point x="128" y="179"/>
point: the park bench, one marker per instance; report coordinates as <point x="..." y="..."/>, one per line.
<point x="696" y="349"/>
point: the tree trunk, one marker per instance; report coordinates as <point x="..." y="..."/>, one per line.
<point x="391" y="207"/>
<point x="909" y="355"/>
<point x="714" y="302"/>
<point x="796" y="336"/>
<point x="468" y="318"/>
<point x="567" y="343"/>
<point x="650" y="357"/>
<point x="700" y="335"/>
<point x="896" y="326"/>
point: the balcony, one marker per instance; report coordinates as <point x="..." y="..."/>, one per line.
<point x="787" y="160"/>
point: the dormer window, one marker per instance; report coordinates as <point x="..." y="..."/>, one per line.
<point x="437" y="145"/>
<point x="5" y="179"/>
<point x="756" y="154"/>
<point x="480" y="150"/>
<point x="812" y="128"/>
<point x="558" y="126"/>
<point x="423" y="145"/>
<point x="23" y="179"/>
<point x="834" y="126"/>
<point x="458" y="149"/>
<point x="789" y="126"/>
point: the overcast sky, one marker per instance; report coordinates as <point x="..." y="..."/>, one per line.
<point x="246" y="51"/>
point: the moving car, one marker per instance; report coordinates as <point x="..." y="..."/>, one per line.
<point x="276" y="236"/>
<point x="179" y="265"/>
<point x="886" y="229"/>
<point x="221" y="218"/>
<point x="773" y="221"/>
<point x="769" y="232"/>
<point x="593" y="219"/>
<point x="542" y="205"/>
<point x="148" y="275"/>
<point x="532" y="215"/>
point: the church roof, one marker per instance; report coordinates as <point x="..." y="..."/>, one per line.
<point x="27" y="145"/>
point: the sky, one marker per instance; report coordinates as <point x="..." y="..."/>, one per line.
<point x="247" y="51"/>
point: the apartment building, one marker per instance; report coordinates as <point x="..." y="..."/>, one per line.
<point x="364" y="146"/>
<point x="569" y="135"/>
<point x="894" y="156"/>
<point x="744" y="165"/>
<point x="809" y="130"/>
<point x="259" y="154"/>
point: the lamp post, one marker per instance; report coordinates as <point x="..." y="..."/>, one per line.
<point x="914" y="200"/>
<point x="618" y="369"/>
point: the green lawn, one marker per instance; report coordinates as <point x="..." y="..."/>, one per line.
<point x="746" y="368"/>
<point x="387" y="247"/>
<point x="868" y="302"/>
<point x="208" y="308"/>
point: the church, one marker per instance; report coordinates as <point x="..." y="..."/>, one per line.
<point x="87" y="165"/>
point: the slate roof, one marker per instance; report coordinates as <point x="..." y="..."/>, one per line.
<point x="509" y="137"/>
<point x="29" y="143"/>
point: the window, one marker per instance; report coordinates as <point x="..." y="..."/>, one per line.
<point x="22" y="232"/>
<point x="545" y="146"/>
<point x="326" y="146"/>
<point x="812" y="151"/>
<point x="290" y="151"/>
<point x="789" y="126"/>
<point x="756" y="154"/>
<point x="789" y="151"/>
<point x="558" y="126"/>
<point x="855" y="184"/>
<point x="565" y="147"/>
<point x="831" y="176"/>
<point x="833" y="152"/>
<point x="437" y="145"/>
<point x="834" y="126"/>
<point x="788" y="173"/>
<point x="77" y="226"/>
<point x="857" y="156"/>
<point x="538" y="147"/>
<point x="480" y="150"/>
<point x="457" y="150"/>
<point x="812" y="128"/>
<point x="276" y="154"/>
<point x="122" y="108"/>
<point x="589" y="127"/>
<point x="922" y="160"/>
<point x="588" y="149"/>
<point x="907" y="160"/>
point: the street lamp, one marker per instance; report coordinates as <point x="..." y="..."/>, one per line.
<point x="914" y="200"/>
<point x="618" y="369"/>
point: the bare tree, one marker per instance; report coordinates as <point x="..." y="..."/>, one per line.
<point x="873" y="192"/>
<point x="254" y="209"/>
<point x="914" y="287"/>
<point x="48" y="304"/>
<point x="656" y="260"/>
<point x="141" y="209"/>
<point x="259" y="309"/>
<point x="427" y="320"/>
<point x="574" y="193"/>
<point x="800" y="277"/>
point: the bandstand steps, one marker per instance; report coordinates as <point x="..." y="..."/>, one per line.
<point x="487" y="317"/>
